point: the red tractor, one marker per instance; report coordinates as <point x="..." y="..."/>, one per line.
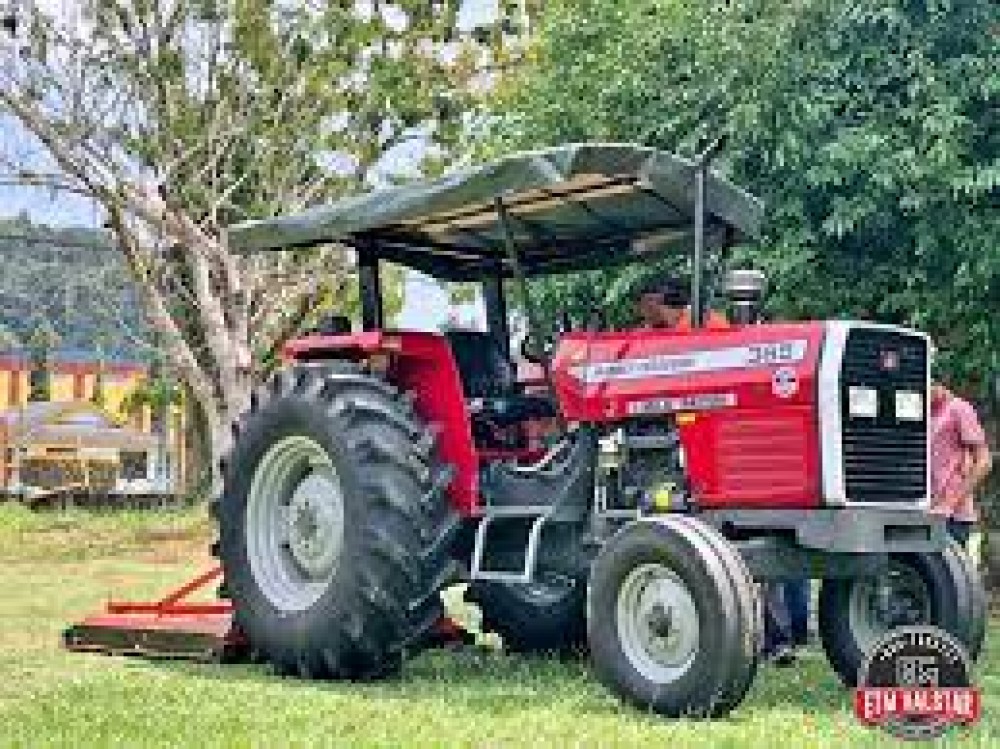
<point x="381" y="466"/>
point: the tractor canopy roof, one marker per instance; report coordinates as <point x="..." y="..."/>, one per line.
<point x="572" y="207"/>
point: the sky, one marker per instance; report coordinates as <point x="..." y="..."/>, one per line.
<point x="425" y="304"/>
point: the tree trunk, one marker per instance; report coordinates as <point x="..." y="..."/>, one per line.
<point x="209" y="439"/>
<point x="197" y="452"/>
<point x="220" y="441"/>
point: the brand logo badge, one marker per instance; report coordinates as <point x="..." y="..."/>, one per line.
<point x="889" y="360"/>
<point x="784" y="382"/>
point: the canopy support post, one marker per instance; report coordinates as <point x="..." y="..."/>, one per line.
<point x="697" y="307"/>
<point x="371" y="289"/>
<point x="698" y="271"/>
<point x="530" y="312"/>
<point x="496" y="311"/>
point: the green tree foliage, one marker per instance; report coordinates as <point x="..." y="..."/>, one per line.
<point x="870" y="129"/>
<point x="73" y="279"/>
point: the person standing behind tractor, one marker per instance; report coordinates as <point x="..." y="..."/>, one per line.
<point x="960" y="460"/>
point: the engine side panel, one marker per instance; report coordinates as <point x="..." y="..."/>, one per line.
<point x="744" y="400"/>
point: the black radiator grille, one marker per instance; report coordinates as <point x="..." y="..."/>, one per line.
<point x="885" y="459"/>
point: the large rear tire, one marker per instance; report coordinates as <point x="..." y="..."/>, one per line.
<point x="334" y="529"/>
<point x="673" y="619"/>
<point x="942" y="589"/>
<point x="547" y="616"/>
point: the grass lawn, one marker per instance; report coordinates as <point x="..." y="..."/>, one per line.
<point x="57" y="567"/>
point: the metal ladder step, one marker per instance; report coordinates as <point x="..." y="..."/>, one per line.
<point x="530" y="553"/>
<point x="516" y="511"/>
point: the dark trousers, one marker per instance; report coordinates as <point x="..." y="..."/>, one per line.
<point x="960" y="530"/>
<point x="797" y="594"/>
<point x="777" y="618"/>
<point x="786" y="614"/>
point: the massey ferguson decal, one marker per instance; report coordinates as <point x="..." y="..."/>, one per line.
<point x="692" y="362"/>
<point x="689" y="403"/>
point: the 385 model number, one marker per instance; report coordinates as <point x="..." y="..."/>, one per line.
<point x="783" y="352"/>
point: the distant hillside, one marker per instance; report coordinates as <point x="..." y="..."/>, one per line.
<point x="74" y="279"/>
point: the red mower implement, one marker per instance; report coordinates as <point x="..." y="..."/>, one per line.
<point x="632" y="504"/>
<point x="171" y="627"/>
<point x="174" y="627"/>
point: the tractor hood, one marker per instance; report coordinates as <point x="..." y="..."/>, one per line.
<point x="573" y="207"/>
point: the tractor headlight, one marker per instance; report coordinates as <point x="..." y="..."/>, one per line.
<point x="909" y="406"/>
<point x="862" y="402"/>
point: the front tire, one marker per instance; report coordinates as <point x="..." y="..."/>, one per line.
<point x="942" y="589"/>
<point x="333" y="525"/>
<point x="673" y="618"/>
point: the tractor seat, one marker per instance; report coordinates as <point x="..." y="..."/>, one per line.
<point x="489" y="380"/>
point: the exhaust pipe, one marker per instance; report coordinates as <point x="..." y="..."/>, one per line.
<point x="744" y="288"/>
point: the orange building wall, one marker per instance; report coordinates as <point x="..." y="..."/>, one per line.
<point x="13" y="388"/>
<point x="71" y="382"/>
<point x="117" y="388"/>
<point x="61" y="388"/>
<point x="74" y="382"/>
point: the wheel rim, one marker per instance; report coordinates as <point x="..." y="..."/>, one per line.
<point x="657" y="623"/>
<point x="294" y="523"/>
<point x="896" y="598"/>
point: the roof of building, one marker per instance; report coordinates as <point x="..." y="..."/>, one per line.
<point x="75" y="424"/>
<point x="61" y="365"/>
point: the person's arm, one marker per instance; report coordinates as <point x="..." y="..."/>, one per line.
<point x="979" y="468"/>
<point x="980" y="459"/>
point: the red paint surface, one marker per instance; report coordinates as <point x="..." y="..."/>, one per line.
<point x="171" y="613"/>
<point x="15" y="364"/>
<point x="762" y="452"/>
<point x="875" y="705"/>
<point x="422" y="363"/>
<point x="526" y="455"/>
<point x="214" y="623"/>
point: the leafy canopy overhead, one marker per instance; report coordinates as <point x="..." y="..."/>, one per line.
<point x="869" y="129"/>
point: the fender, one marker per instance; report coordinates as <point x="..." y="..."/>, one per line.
<point x="420" y="363"/>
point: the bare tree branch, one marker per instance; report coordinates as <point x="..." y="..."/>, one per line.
<point x="178" y="123"/>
